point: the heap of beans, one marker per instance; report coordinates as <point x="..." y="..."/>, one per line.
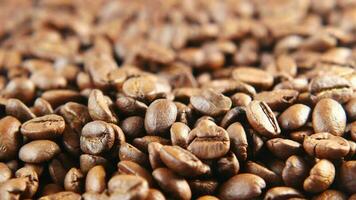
<point x="177" y="99"/>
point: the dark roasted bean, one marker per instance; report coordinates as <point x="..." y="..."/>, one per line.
<point x="160" y="116"/>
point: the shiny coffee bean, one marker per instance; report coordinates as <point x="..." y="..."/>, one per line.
<point x="294" y="117"/>
<point x="321" y="176"/>
<point x="127" y="187"/>
<point x="266" y="174"/>
<point x="253" y="76"/>
<point x="76" y="115"/>
<point x="277" y="99"/>
<point x="99" y="108"/>
<point x="38" y="151"/>
<point x="283" y="148"/>
<point x="179" y="134"/>
<point x="10" y="137"/>
<point x="5" y="173"/>
<point x="95" y="180"/>
<point x="295" y="171"/>
<point x="41" y="107"/>
<point x="131" y="153"/>
<point x="347" y="176"/>
<point x="131" y="168"/>
<point x="330" y="194"/>
<point x="238" y="140"/>
<point x="45" y="127"/>
<point x="74" y="180"/>
<point x="277" y="193"/>
<point x="160" y="116"/>
<point x="18" y="109"/>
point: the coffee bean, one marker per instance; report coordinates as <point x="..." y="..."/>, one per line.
<point x="88" y="161"/>
<point x="16" y="108"/>
<point x="228" y="165"/>
<point x="38" y="151"/>
<point x="235" y="114"/>
<point x="208" y="141"/>
<point x="160" y="116"/>
<point x="131" y="153"/>
<point x="10" y="137"/>
<point x="131" y="168"/>
<point x="154" y="194"/>
<point x="51" y="188"/>
<point x="97" y="137"/>
<point x="277" y="99"/>
<point x="58" y="168"/>
<point x="283" y="148"/>
<point x="95" y="180"/>
<point x="253" y="76"/>
<point x="299" y="136"/>
<point x="13" y="188"/>
<point x="172" y="184"/>
<point x="74" y="180"/>
<point x="326" y="145"/>
<point x="294" y="117"/>
<point x="240" y="99"/>
<point x="207" y="197"/>
<point x="262" y="119"/>
<point x="329" y="116"/>
<point x="209" y="102"/>
<point x="295" y="171"/>
<point x="130" y="106"/>
<point x="133" y="127"/>
<point x="61" y="195"/>
<point x="32" y="181"/>
<point x="242" y="186"/>
<point x="182" y="161"/>
<point x="320" y="178"/>
<point x="350" y="109"/>
<point x="238" y="140"/>
<point x="41" y="107"/>
<point x="61" y="96"/>
<point x="179" y="134"/>
<point x="282" y="193"/>
<point x="203" y="186"/>
<point x="268" y="176"/>
<point x="140" y="88"/>
<point x="229" y="86"/>
<point x="154" y="149"/>
<point x="127" y="187"/>
<point x="142" y="143"/>
<point x="99" y="108"/>
<point x="45" y="127"/>
<point x="331" y="194"/>
<point x="5" y="173"/>
<point x="48" y="79"/>
<point x="20" y="88"/>
<point x="76" y="115"/>
<point x="347" y="176"/>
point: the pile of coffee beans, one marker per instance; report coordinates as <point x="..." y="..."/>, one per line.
<point x="177" y="99"/>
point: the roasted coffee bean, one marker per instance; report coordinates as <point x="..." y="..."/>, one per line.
<point x="45" y="127"/>
<point x="20" y="88"/>
<point x="235" y="114"/>
<point x="295" y="171"/>
<point x="182" y="161"/>
<point x="320" y="177"/>
<point x="38" y="151"/>
<point x="51" y="188"/>
<point x="329" y="116"/>
<point x="71" y="141"/>
<point x="299" y="136"/>
<point x="88" y="161"/>
<point x="238" y="140"/>
<point x="41" y="107"/>
<point x="133" y="127"/>
<point x="229" y="86"/>
<point x="127" y="187"/>
<point x="172" y="184"/>
<point x="326" y="145"/>
<point x="347" y="176"/>
<point x="294" y="117"/>
<point x="58" y="168"/>
<point x="61" y="96"/>
<point x="16" y="108"/>
<point x="331" y="194"/>
<point x="76" y="115"/>
<point x="160" y="116"/>
<point x="131" y="168"/>
<point x="130" y="106"/>
<point x="154" y="149"/>
<point x="240" y="99"/>
<point x="277" y="99"/>
<point x="13" y="188"/>
<point x="179" y="134"/>
<point x="99" y="108"/>
<point x="208" y="141"/>
<point x="184" y="114"/>
<point x="32" y="181"/>
<point x="5" y="173"/>
<point x="282" y="193"/>
<point x="207" y="197"/>
<point x="253" y="76"/>
<point x="203" y="186"/>
<point x="10" y="137"/>
<point x="154" y="194"/>
<point x="283" y="148"/>
<point x="242" y="186"/>
<point x="97" y="137"/>
<point x="211" y="103"/>
<point x="48" y="79"/>
<point x="269" y="176"/>
<point x="330" y="86"/>
<point x="95" y="180"/>
<point x="140" y="88"/>
<point x="350" y="109"/>
<point x="61" y="195"/>
<point x="228" y="165"/>
<point x="74" y="180"/>
<point x="131" y="153"/>
<point x="262" y="119"/>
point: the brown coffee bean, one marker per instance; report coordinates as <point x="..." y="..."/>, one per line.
<point x="240" y="99"/>
<point x="295" y="171"/>
<point x="329" y="116"/>
<point x="277" y="99"/>
<point x="10" y="137"/>
<point x="229" y="86"/>
<point x="130" y="106"/>
<point x="58" y="168"/>
<point x="99" y="108"/>
<point x="209" y="102"/>
<point x="142" y="143"/>
<point x="13" y="188"/>
<point x="154" y="194"/>
<point x="182" y="161"/>
<point x="74" y="180"/>
<point x="97" y="137"/>
<point x="347" y="176"/>
<point x="262" y="119"/>
<point x="184" y="114"/>
<point x="51" y="188"/>
<point x="326" y="145"/>
<point x="38" y="151"/>
<point x="283" y="148"/>
<point x="71" y="141"/>
<point x="160" y="116"/>
<point x="172" y="184"/>
<point x="5" y="173"/>
<point x="133" y="127"/>
<point x="88" y="161"/>
<point x="281" y="192"/>
<point x="330" y="194"/>
<point x="61" y="96"/>
<point x="299" y="136"/>
<point x="203" y="186"/>
<point x="353" y="131"/>
<point x="179" y="134"/>
<point x="48" y="79"/>
<point x="41" y="107"/>
<point x="233" y="115"/>
<point x="95" y="180"/>
<point x="320" y="178"/>
<point x="294" y="117"/>
<point x="131" y="168"/>
<point x="253" y="76"/>
<point x="45" y="127"/>
<point x="242" y="186"/>
<point x="62" y="195"/>
<point x="76" y="115"/>
<point x="154" y="149"/>
<point x="350" y="109"/>
<point x="228" y="165"/>
<point x="268" y="176"/>
<point x="131" y="153"/>
<point x="207" y="197"/>
<point x="32" y="181"/>
<point x="141" y="87"/>
<point x="20" y="88"/>
<point x="331" y="86"/>
<point x="208" y="141"/>
<point x="16" y="108"/>
<point x="238" y="140"/>
<point x="127" y="187"/>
